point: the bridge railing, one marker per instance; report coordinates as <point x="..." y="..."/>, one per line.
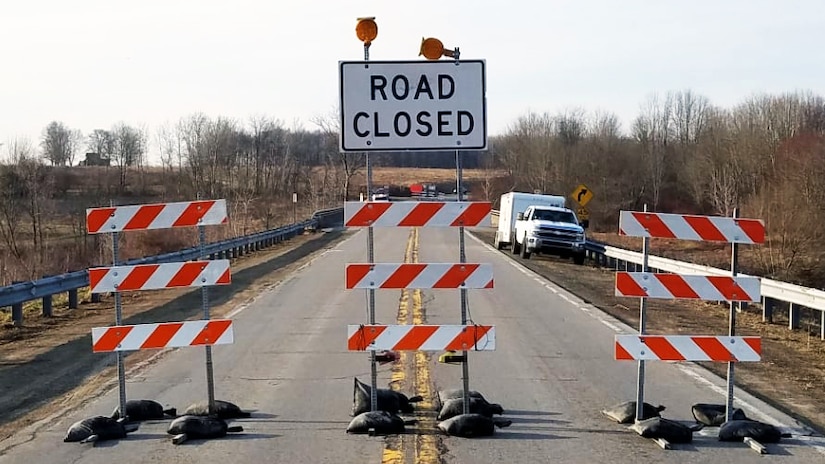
<point x="16" y="295"/>
<point x="796" y="296"/>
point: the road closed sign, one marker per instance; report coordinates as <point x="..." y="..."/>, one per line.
<point x="412" y="105"/>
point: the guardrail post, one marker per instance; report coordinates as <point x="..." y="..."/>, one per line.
<point x="47" y="306"/>
<point x="17" y="314"/>
<point x="73" y="298"/>
<point x="767" y="309"/>
<point x="793" y="316"/>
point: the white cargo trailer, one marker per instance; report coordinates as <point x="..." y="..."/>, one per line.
<point x="513" y="203"/>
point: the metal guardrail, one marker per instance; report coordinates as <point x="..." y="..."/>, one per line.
<point x="17" y="294"/>
<point x="796" y="296"/>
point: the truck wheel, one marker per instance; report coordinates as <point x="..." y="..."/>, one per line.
<point x="515" y="247"/>
<point x="524" y="252"/>
<point x="497" y="243"/>
<point x="578" y="258"/>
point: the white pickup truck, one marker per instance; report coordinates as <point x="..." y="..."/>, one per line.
<point x="549" y="229"/>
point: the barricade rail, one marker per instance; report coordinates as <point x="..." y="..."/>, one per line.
<point x="16" y="294"/>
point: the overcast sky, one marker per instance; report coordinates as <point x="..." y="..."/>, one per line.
<point x="92" y="63"/>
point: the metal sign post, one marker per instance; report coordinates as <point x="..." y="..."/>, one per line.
<point x="640" y="379"/>
<point x="371" y="259"/>
<point x="465" y="363"/>
<point x="734" y="268"/>
<point x="210" y="377"/>
<point x="121" y="368"/>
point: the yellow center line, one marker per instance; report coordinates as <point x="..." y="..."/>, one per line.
<point x="394" y="446"/>
<point x="426" y="441"/>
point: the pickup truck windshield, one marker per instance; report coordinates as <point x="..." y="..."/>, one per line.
<point x="555" y="216"/>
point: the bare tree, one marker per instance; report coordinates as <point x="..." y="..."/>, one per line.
<point x="129" y="148"/>
<point x="350" y="162"/>
<point x="652" y="131"/>
<point x="13" y="199"/>
<point x="60" y="144"/>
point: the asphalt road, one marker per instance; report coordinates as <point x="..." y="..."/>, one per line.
<point x="553" y="371"/>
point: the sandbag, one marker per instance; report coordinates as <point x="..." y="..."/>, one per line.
<point x="737" y="430"/>
<point x="659" y="427"/>
<point x="442" y="396"/>
<point x="455" y="406"/>
<point x="714" y="414"/>
<point x="382" y="422"/>
<point x="388" y="400"/>
<point x="472" y="425"/>
<point x="140" y="410"/>
<point x="625" y="413"/>
<point x="223" y="410"/>
<point x="98" y="428"/>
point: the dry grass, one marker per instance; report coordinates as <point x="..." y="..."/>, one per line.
<point x="404" y="177"/>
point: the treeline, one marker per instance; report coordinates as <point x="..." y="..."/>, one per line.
<point x="682" y="154"/>
<point x="257" y="165"/>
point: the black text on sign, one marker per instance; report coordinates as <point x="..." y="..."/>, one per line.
<point x="412" y="106"/>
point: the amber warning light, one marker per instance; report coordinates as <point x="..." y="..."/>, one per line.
<point x="366" y="29"/>
<point x="433" y="49"/>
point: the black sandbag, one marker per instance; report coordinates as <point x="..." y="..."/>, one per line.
<point x="186" y="427"/>
<point x="140" y="410"/>
<point x="381" y="422"/>
<point x="625" y="413"/>
<point x="442" y="396"/>
<point x="454" y="407"/>
<point x="445" y="395"/>
<point x="659" y="427"/>
<point x="223" y="410"/>
<point x="472" y="425"/>
<point x="737" y="430"/>
<point x="714" y="414"/>
<point x="388" y="400"/>
<point x="98" y="428"/>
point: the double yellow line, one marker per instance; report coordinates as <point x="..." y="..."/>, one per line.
<point x="425" y="442"/>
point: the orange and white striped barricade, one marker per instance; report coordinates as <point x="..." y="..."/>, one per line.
<point x="159" y="276"/>
<point x="162" y="335"/>
<point x="733" y="230"/>
<point x="691" y="227"/>
<point x="417" y="214"/>
<point x="421" y="337"/>
<point x="697" y="287"/>
<point x="156" y="216"/>
<point x="419" y="275"/>
<point x="688" y="348"/>
<point x="116" y="219"/>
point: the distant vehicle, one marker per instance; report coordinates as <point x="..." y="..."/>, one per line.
<point x="535" y="223"/>
<point x="381" y="194"/>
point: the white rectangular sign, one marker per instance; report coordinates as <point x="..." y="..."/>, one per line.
<point x="413" y="105"/>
